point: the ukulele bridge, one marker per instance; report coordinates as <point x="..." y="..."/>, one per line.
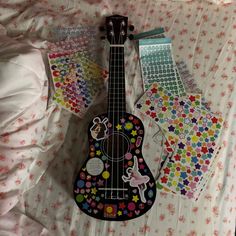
<point x="115" y="193"/>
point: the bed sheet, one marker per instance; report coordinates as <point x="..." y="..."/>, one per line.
<point x="41" y="200"/>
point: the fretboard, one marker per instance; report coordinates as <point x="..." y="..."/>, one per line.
<point x="116" y="84"/>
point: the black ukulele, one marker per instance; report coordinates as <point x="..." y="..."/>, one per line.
<point x="115" y="183"/>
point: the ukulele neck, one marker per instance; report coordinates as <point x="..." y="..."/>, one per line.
<point x="116" y="83"/>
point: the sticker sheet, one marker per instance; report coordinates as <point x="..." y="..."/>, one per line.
<point x="173" y="114"/>
<point x="157" y="65"/>
<point x="189" y="82"/>
<point x="193" y="158"/>
<point x="191" y="136"/>
<point x="77" y="81"/>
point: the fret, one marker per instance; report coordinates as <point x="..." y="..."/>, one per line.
<point x="117" y="66"/>
<point x="116" y="82"/>
<point x="116" y="94"/>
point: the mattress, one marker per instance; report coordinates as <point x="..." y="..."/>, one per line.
<point x="43" y="146"/>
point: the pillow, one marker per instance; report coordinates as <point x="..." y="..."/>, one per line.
<point x="21" y="83"/>
<point x="23" y="104"/>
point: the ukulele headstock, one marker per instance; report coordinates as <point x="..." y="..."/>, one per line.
<point x="116" y="27"/>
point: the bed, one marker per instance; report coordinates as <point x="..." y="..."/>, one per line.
<point x="39" y="141"/>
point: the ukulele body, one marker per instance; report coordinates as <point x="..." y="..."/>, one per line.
<point x="114" y="182"/>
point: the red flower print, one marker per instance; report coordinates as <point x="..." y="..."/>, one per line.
<point x="171" y="208"/>
<point x="161" y="217"/>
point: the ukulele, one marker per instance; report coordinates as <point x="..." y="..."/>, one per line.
<point x="114" y="182"/>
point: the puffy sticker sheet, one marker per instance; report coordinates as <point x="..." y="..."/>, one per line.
<point x="157" y="65"/>
<point x="77" y="81"/>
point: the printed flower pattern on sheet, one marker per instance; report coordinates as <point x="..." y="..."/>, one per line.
<point x="203" y="35"/>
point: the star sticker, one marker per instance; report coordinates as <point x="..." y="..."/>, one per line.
<point x="181" y="145"/>
<point x="154" y="90"/>
<point x="166" y="170"/>
<point x="122" y="120"/>
<point x="183" y="175"/>
<point x="211" y="132"/>
<point x="94" y="191"/>
<point x="118" y="127"/>
<point x="122" y="205"/>
<point x="139" y="106"/>
<point x="211" y="150"/>
<point x="192" y="98"/>
<point x="204" y="150"/>
<point x="151" y="108"/>
<point x="85" y="206"/>
<point x="194" y="159"/>
<point x="141" y="167"/>
<point x="171" y="128"/>
<point x="119" y="213"/>
<point x="194" y="120"/>
<point x="181" y="103"/>
<point x="134" y="132"/>
<point x="153" y="114"/>
<point x="164" y="179"/>
<point x="135" y="198"/>
<point x="214" y="120"/>
<point x="100" y="182"/>
<point x="186" y="182"/>
<point x="196" y="179"/>
<point x="98" y="152"/>
<point x="183" y="191"/>
<point x="164" y="109"/>
<point x="197" y="166"/>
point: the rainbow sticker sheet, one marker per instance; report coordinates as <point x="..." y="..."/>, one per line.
<point x="173" y="114"/>
<point x="77" y="81"/>
<point x="188" y="168"/>
<point x="158" y="65"/>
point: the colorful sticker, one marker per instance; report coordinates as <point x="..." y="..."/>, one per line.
<point x="137" y="180"/>
<point x="184" y="172"/>
<point x="121" y="188"/>
<point x="77" y="81"/>
<point x="95" y="166"/>
<point x="175" y="115"/>
<point x="158" y="65"/>
<point x="99" y="129"/>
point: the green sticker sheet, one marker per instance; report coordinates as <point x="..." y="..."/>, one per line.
<point x="158" y="65"/>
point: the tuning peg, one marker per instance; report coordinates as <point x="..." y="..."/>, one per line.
<point x="131" y="37"/>
<point x="131" y="28"/>
<point x="102" y="28"/>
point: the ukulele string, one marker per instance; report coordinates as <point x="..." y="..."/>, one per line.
<point x="122" y="111"/>
<point x="113" y="123"/>
<point x="109" y="110"/>
<point x="119" y="104"/>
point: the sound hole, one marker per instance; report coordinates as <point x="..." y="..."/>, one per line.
<point x="115" y="146"/>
